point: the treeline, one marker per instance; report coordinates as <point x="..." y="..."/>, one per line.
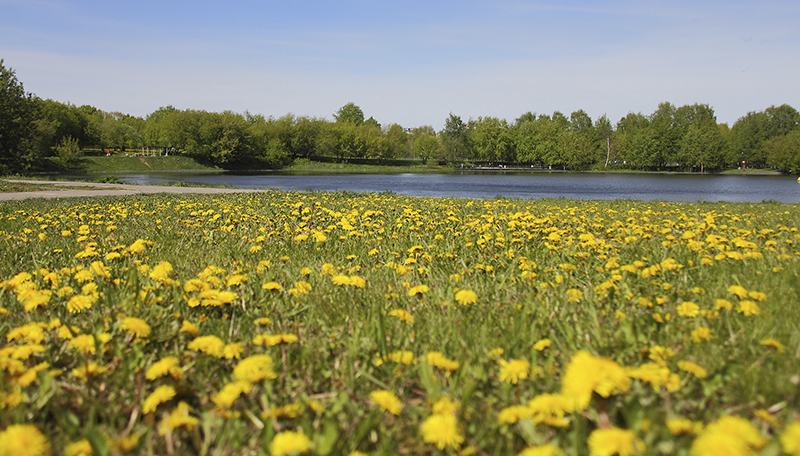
<point x="686" y="138"/>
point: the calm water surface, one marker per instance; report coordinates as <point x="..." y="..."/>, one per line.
<point x="666" y="187"/>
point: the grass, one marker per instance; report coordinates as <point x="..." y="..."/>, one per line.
<point x="349" y="294"/>
<point x="9" y="186"/>
<point x="119" y="163"/>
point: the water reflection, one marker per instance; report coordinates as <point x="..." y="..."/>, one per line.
<point x="666" y="187"/>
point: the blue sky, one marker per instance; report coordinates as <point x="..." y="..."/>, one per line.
<point x="407" y="62"/>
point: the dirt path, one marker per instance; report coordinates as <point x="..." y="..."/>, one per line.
<point x="96" y="189"/>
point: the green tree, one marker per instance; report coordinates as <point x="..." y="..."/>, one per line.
<point x="350" y="113"/>
<point x="603" y="132"/>
<point x="783" y="152"/>
<point x="751" y="131"/>
<point x="702" y="147"/>
<point x="493" y="140"/>
<point x="455" y="139"/>
<point x="17" y="116"/>
<point x="396" y="141"/>
<point x="68" y="151"/>
<point x="426" y="146"/>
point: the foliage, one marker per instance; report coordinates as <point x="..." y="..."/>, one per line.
<point x="17" y="116"/>
<point x="332" y="322"/>
<point x="676" y="138"/>
<point x="68" y="151"/>
<point x="350" y="113"/>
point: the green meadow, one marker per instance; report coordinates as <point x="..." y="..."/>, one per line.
<point x="345" y="324"/>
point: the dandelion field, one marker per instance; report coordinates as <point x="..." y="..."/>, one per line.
<point x="341" y="323"/>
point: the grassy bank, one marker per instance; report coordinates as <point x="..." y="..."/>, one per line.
<point x="336" y="322"/>
<point x="120" y="163"/>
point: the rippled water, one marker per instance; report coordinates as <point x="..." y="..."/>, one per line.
<point x="665" y="187"/>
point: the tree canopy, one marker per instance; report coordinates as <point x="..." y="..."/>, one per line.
<point x="685" y="137"/>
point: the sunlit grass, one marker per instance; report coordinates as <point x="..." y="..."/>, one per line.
<point x="530" y="322"/>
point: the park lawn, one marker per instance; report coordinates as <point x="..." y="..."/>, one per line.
<point x="330" y="323"/>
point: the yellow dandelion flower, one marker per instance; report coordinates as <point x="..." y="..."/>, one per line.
<point x="790" y="439"/>
<point x="272" y="286"/>
<point x="757" y="295"/>
<point x="168" y="365"/>
<point x="269" y="340"/>
<point x="101" y="270"/>
<point x="33" y="299"/>
<point x="729" y="435"/>
<point x="284" y="411"/>
<point x="586" y="374"/>
<point x="340" y="280"/>
<point x="137" y="247"/>
<point x="720" y="304"/>
<point x="403" y="315"/>
<point x="79" y="303"/>
<point x="189" y="328"/>
<point x="774" y="344"/>
<point x="764" y="415"/>
<point x="688" y="309"/>
<point x="289" y="442"/>
<point x="542" y="344"/>
<point x="738" y="290"/>
<point x="748" y="308"/>
<point x="465" y="297"/>
<point x="79" y="448"/>
<point x="442" y="431"/>
<point x="700" y="334"/>
<point x="254" y="369"/>
<point x="83" y="343"/>
<point x="230" y="392"/>
<point x="693" y="368"/>
<point x="444" y="406"/>
<point x="418" y="290"/>
<point x="91" y="370"/>
<point x="386" y="400"/>
<point x="514" y="370"/>
<point x="23" y="440"/>
<point x="542" y="450"/>
<point x="178" y="418"/>
<point x="236" y="279"/>
<point x="550" y="409"/>
<point x="400" y="357"/>
<point x="357" y="281"/>
<point x="135" y="326"/>
<point x="161" y="394"/>
<point x="680" y="426"/>
<point x="652" y="373"/>
<point x="210" y="345"/>
<point x="514" y="413"/>
<point x="31" y="333"/>
<point x="233" y="350"/>
<point x="84" y="275"/>
<point x="25" y="351"/>
<point x="614" y="440"/>
<point x="437" y="359"/>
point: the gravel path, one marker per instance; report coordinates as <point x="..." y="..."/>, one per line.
<point x="96" y="189"/>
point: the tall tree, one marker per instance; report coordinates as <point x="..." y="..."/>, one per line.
<point x="493" y="140"/>
<point x="454" y="138"/>
<point x="350" y="113"/>
<point x="396" y="141"/>
<point x="17" y="114"/>
<point x="602" y="138"/>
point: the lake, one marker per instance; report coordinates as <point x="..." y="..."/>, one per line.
<point x="665" y="187"/>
